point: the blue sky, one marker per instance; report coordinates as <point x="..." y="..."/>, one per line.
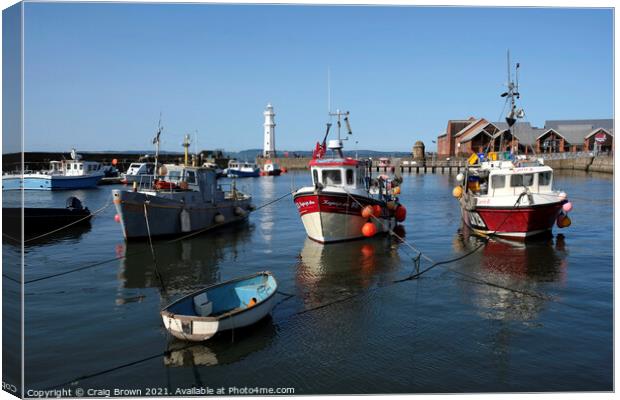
<point x="98" y="75"/>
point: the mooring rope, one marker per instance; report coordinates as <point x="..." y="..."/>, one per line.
<point x="92" y="214"/>
<point x="98" y="263"/>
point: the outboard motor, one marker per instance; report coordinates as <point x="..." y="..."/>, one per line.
<point x="73" y="203"/>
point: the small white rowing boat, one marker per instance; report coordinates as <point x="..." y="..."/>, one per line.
<point x="228" y="305"/>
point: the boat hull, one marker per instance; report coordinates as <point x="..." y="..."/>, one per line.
<point x="243" y="174"/>
<point x="170" y="217"/>
<point x="42" y="220"/>
<point x="181" y="320"/>
<point x="336" y="217"/>
<point x="511" y="222"/>
<point x="50" y="182"/>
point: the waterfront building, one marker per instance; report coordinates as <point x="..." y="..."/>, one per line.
<point x="463" y="137"/>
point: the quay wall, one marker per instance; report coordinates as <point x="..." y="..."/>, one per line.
<point x="603" y="164"/>
<point x="293" y="163"/>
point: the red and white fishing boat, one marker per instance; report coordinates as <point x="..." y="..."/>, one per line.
<point x="508" y="195"/>
<point x="345" y="202"/>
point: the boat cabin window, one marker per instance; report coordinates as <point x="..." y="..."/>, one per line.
<point x="332" y="177"/>
<point x="190" y="177"/>
<point x="520" y="180"/>
<point x="315" y="176"/>
<point x="349" y="177"/>
<point x="544" y="178"/>
<point x="498" y="181"/>
<point x="174" y="176"/>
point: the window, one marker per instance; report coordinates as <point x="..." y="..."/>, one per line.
<point x="190" y="176"/>
<point x="332" y="177"/>
<point x="315" y="176"/>
<point x="498" y="181"/>
<point x="544" y="178"/>
<point x="518" y="180"/>
<point x="349" y="177"/>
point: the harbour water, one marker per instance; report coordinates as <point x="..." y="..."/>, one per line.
<point x="510" y="317"/>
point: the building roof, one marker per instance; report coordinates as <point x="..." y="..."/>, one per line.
<point x="476" y="132"/>
<point x="524" y="131"/>
<point x="467" y="127"/>
<point x="607" y="124"/>
<point x="610" y="133"/>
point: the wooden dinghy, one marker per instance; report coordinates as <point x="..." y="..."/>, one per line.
<point x="228" y="305"/>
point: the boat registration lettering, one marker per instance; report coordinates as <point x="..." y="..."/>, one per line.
<point x="475" y="219"/>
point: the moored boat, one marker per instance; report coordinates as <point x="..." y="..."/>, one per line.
<point x="345" y="202"/>
<point x="139" y="172"/>
<point x="509" y="195"/>
<point x="182" y="199"/>
<point x="271" y="169"/>
<point x="228" y="305"/>
<point x="62" y="175"/>
<point x="237" y="169"/>
<point x="40" y="220"/>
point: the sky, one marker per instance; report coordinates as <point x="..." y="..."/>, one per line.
<point x="97" y="76"/>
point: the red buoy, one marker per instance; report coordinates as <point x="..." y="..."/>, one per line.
<point x="401" y="213"/>
<point x="369" y="229"/>
<point x="117" y="218"/>
<point x="377" y="210"/>
<point x="367" y="212"/>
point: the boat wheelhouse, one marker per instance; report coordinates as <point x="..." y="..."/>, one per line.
<point x="344" y="201"/>
<point x="140" y="172"/>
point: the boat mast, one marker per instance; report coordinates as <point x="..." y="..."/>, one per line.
<point x="186" y="143"/>
<point x="512" y="93"/>
<point x="156" y="143"/>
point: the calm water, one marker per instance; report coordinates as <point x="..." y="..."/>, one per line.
<point x="446" y="332"/>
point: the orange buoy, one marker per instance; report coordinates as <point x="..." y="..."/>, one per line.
<point x="283" y="170"/>
<point x="369" y="229"/>
<point x="368" y="212"/>
<point x="401" y="213"/>
<point x="117" y="218"/>
<point x="396" y="191"/>
<point x="563" y="221"/>
<point x="377" y="210"/>
<point x="457" y="192"/>
<point x="114" y="161"/>
<point x="252" y="302"/>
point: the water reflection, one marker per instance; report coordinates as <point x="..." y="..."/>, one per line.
<point x="224" y="348"/>
<point x="328" y="272"/>
<point x="11" y="232"/>
<point x="517" y="272"/>
<point x="184" y="265"/>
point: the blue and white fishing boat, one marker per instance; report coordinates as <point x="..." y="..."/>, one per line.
<point x="62" y="175"/>
<point x="228" y="305"/>
<point x="244" y="169"/>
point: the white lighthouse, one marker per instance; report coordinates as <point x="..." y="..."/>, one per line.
<point x="269" y="149"/>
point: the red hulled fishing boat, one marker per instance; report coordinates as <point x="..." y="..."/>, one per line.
<point x="510" y="195"/>
<point x="345" y="202"/>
